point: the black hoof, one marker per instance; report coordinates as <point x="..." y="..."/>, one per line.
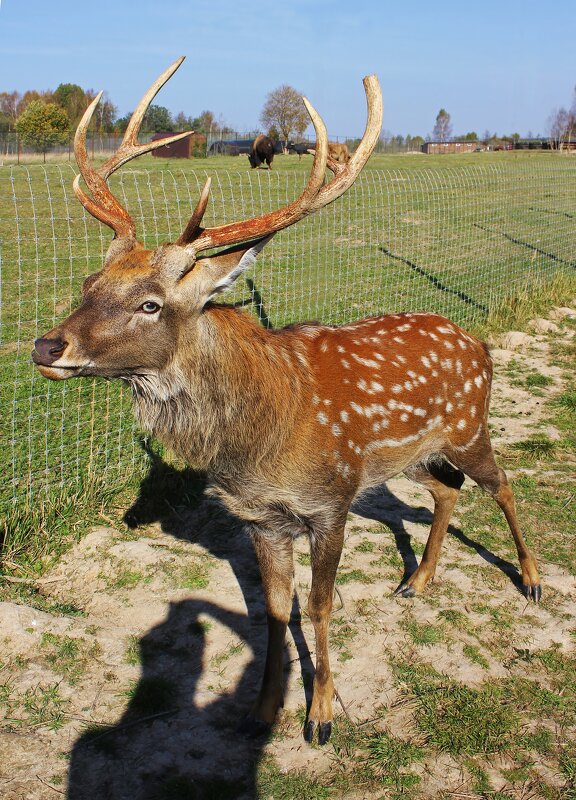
<point x="533" y="592"/>
<point x="253" y="728"/>
<point x="309" y="729"/>
<point x="405" y="590"/>
<point x="324" y="732"/>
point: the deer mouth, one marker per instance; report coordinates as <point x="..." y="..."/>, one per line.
<point x="57" y="373"/>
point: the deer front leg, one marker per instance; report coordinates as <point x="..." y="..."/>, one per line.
<point x="325" y="552"/>
<point x="274" y="552"/>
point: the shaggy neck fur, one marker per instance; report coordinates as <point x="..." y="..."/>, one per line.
<point x="230" y="399"/>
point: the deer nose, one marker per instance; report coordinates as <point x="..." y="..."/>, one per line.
<point x="47" y="351"/>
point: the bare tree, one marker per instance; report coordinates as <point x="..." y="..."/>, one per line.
<point x="443" y="128"/>
<point x="9" y="106"/>
<point x="285" y="111"/>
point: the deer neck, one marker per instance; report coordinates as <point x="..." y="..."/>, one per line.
<point x="231" y="396"/>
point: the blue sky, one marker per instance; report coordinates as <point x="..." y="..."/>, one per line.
<point x="499" y="66"/>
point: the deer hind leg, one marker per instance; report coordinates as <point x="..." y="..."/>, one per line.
<point x="479" y="464"/>
<point x="325" y="551"/>
<point x="274" y="553"/>
<point x="443" y="482"/>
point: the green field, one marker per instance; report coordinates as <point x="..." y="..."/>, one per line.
<point x="455" y="234"/>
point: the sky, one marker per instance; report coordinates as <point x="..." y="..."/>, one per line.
<point x="498" y="66"/>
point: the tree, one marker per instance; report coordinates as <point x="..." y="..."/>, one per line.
<point x="471" y="136"/>
<point x="157" y="118"/>
<point x="104" y="115"/>
<point x="442" y="129"/>
<point x="207" y="121"/>
<point x="9" y="106"/>
<point x="285" y="111"/>
<point x="43" y="125"/>
<point x="74" y="100"/>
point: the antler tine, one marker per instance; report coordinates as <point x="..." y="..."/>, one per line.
<point x="104" y="206"/>
<point x="316" y="195"/>
<point x="193" y="228"/>
<point x="345" y="174"/>
<point x="258" y="227"/>
<point x="130" y="148"/>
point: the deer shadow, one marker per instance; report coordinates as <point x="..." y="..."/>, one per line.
<point x="381" y="505"/>
<point x="175" y="740"/>
<point x="172" y="740"/>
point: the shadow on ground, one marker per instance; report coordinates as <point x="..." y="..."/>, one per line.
<point x="172" y="742"/>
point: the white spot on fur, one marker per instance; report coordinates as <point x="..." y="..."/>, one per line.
<point x="345" y="416"/>
<point x="461" y="424"/>
<point x="366" y="362"/>
<point x="322" y="418"/>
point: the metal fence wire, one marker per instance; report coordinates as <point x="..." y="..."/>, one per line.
<point x="453" y="240"/>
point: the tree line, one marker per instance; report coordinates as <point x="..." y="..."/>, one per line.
<point x="45" y="119"/>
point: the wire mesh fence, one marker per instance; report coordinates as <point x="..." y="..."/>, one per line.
<point x="453" y="240"/>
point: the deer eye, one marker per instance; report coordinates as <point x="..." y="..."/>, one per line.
<point x="149" y="307"/>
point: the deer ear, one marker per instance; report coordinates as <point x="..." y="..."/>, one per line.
<point x="219" y="271"/>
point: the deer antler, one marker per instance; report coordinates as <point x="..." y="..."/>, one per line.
<point x="103" y="205"/>
<point x="316" y="195"/>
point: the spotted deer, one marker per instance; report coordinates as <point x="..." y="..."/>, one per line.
<point x="289" y="425"/>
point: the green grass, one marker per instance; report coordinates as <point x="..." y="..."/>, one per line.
<point x="280" y="785"/>
<point x="68" y="656"/>
<point x="504" y="238"/>
<point x="452" y="717"/>
<point x="38" y="706"/>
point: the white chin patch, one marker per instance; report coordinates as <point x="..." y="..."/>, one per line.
<point x="57" y="373"/>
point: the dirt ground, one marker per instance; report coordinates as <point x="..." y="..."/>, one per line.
<point x="146" y="676"/>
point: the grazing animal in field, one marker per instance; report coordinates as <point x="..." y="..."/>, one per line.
<point x="339" y="152"/>
<point x="301" y="148"/>
<point x="262" y="151"/>
<point x="290" y="425"/>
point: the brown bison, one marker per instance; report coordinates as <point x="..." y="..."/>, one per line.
<point x="262" y="150"/>
<point x="339" y="152"/>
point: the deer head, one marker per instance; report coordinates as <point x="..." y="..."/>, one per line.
<point x="135" y="310"/>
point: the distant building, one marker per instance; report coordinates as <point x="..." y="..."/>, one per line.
<point x="195" y="144"/>
<point x="437" y="148"/>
